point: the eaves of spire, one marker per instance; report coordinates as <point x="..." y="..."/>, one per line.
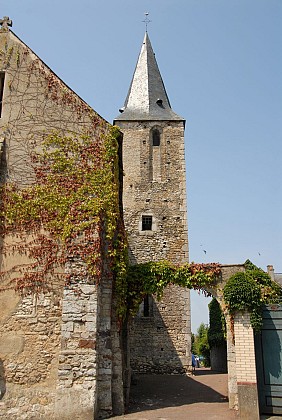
<point x="147" y="98"/>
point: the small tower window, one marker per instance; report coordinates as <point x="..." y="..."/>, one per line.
<point x="147" y="222"/>
<point x="156" y="138"/>
<point x="2" y="78"/>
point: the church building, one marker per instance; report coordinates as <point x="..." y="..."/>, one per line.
<point x="60" y="343"/>
<point x="155" y="214"/>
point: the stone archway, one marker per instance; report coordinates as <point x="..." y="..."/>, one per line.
<point x="241" y="365"/>
<point x="226" y="272"/>
<point x="217" y="292"/>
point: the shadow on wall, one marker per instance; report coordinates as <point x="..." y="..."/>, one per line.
<point x="272" y="354"/>
<point x="151" y="347"/>
<point x="158" y="334"/>
<point x="268" y="346"/>
<point x="2" y="380"/>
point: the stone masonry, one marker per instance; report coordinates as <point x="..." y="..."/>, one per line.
<point x="154" y="189"/>
<point x="60" y="355"/>
<point x="29" y="349"/>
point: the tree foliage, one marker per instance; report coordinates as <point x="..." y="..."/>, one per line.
<point x="217" y="328"/>
<point x="201" y="344"/>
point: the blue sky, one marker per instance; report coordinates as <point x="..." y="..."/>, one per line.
<point x="221" y="62"/>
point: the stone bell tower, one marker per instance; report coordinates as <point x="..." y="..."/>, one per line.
<point x="155" y="214"/>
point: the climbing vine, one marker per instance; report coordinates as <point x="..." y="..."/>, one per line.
<point x="249" y="290"/>
<point x="60" y="207"/>
<point x="70" y="211"/>
<point x="153" y="277"/>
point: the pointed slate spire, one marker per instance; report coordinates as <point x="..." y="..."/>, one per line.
<point x="147" y="98"/>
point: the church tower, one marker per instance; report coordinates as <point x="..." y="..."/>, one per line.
<point x="155" y="214"/>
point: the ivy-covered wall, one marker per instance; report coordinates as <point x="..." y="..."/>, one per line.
<point x="62" y="241"/>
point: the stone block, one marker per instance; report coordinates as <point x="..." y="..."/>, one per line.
<point x="87" y="344"/>
<point x="248" y="401"/>
<point x="11" y="344"/>
<point x="91" y="326"/>
<point x="90" y="318"/>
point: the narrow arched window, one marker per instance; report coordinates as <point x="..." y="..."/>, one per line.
<point x="2" y="79"/>
<point x="156" y="137"/>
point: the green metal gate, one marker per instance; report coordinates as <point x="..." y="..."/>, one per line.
<point x="268" y="347"/>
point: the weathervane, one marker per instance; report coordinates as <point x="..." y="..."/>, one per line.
<point x="147" y="20"/>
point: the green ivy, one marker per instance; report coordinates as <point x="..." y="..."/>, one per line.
<point x="153" y="277"/>
<point x="250" y="290"/>
<point x="74" y="199"/>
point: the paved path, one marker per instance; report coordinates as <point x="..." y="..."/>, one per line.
<point x="178" y="397"/>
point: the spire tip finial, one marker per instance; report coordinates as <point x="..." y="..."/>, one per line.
<point x="147" y="20"/>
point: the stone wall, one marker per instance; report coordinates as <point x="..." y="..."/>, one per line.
<point x="29" y="353"/>
<point x="163" y="198"/>
<point x="57" y="355"/>
<point x="155" y="185"/>
<point x="36" y="103"/>
<point x="86" y="360"/>
<point x="159" y="343"/>
<point x="60" y="354"/>
<point x="77" y="370"/>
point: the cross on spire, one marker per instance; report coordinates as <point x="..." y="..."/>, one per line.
<point x="147" y="20"/>
<point x="6" y="22"/>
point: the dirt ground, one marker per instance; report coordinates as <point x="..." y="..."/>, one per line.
<point x="179" y="397"/>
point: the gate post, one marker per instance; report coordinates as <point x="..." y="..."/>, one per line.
<point x="231" y="366"/>
<point x="246" y="367"/>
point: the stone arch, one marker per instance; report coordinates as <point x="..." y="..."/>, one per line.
<point x="217" y="292"/>
<point x="236" y="401"/>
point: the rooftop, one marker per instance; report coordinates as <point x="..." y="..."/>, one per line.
<point x="147" y="98"/>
